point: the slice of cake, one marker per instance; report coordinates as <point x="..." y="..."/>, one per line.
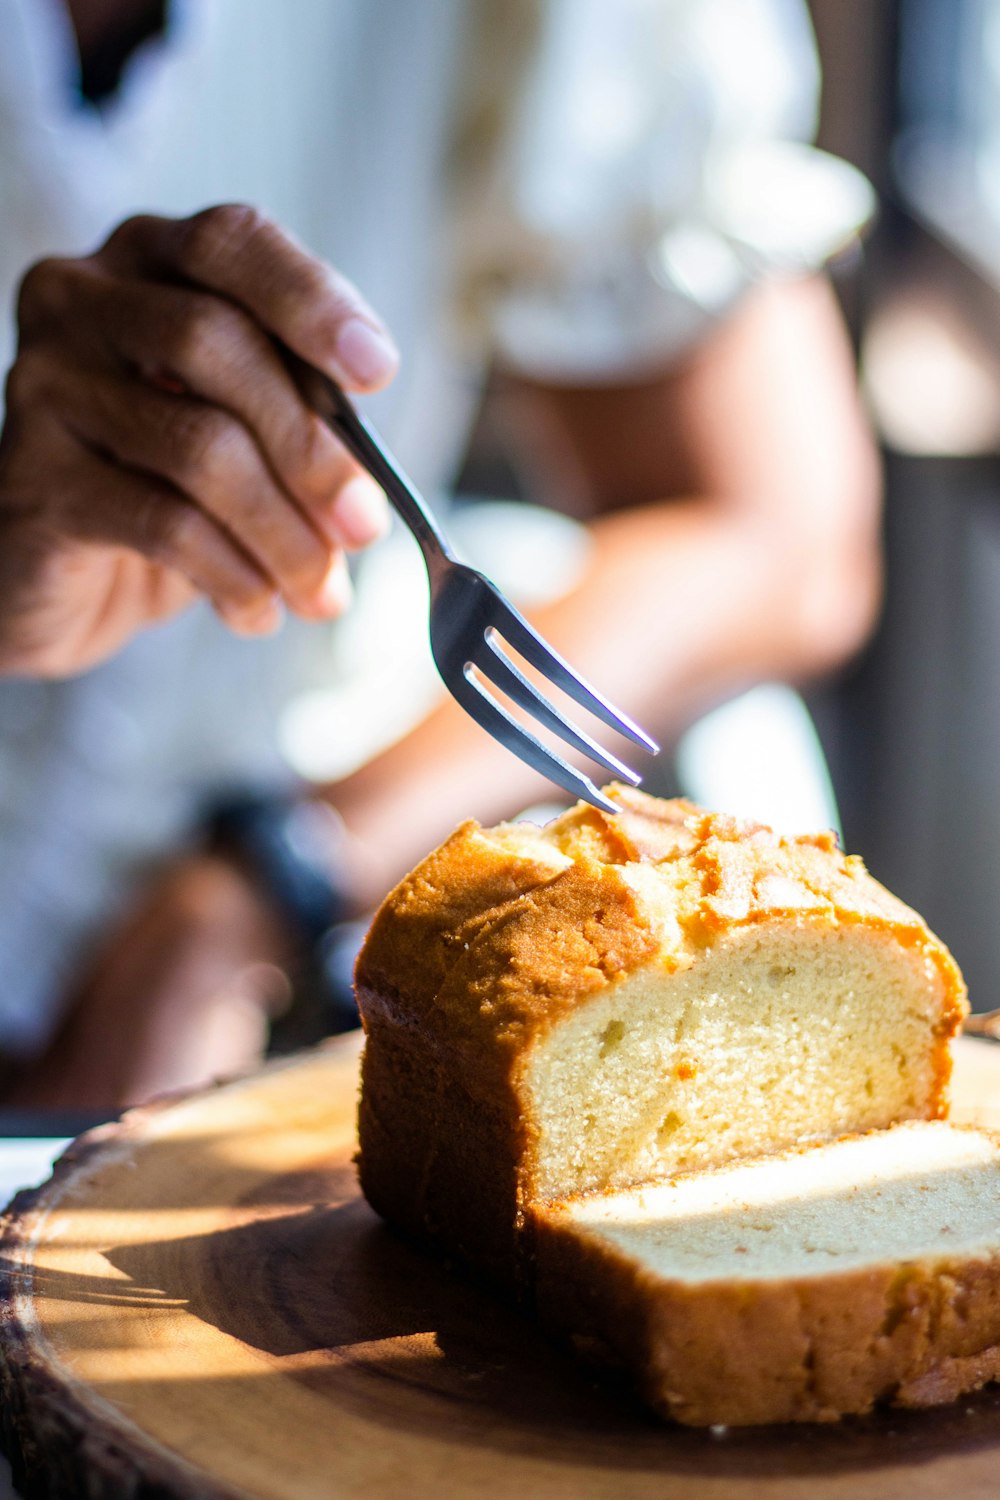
<point x="615" y="1000"/>
<point x="796" y="1287"/>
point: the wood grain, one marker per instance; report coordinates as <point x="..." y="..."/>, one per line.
<point x="199" y="1304"/>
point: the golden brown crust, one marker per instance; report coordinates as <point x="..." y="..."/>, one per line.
<point x="450" y="1172"/>
<point x="415" y="933"/>
<point x="445" y="985"/>
<point x="743" y="1352"/>
<point x="498" y="933"/>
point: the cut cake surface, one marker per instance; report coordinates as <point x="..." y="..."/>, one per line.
<point x="610" y="1000"/>
<point x="796" y="1287"/>
<point x="608" y="1063"/>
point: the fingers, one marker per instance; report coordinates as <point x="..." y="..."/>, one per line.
<point x="211" y="459"/>
<point x="187" y="340"/>
<point x="193" y="342"/>
<point x="237" y="252"/>
<point x="158" y="360"/>
<point x="103" y="503"/>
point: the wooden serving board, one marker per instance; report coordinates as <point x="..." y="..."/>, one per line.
<point x="200" y="1304"/>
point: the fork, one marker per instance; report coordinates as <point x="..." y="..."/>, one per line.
<point x="470" y="619"/>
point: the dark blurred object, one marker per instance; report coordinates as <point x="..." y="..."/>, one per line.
<point x="289" y="845"/>
<point x="323" y="1002"/>
<point x="46" y="1124"/>
<point x="945" y="153"/>
<point x="338" y="952"/>
<point x="912" y="95"/>
<point x="107" y="33"/>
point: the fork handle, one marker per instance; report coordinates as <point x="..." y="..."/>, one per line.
<point x="331" y="405"/>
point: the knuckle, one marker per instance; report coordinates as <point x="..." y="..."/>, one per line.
<point x="192" y="332"/>
<point x="28" y="381"/>
<point x="42" y="289"/>
<point x="315" y="464"/>
<point x="211" y="447"/>
<point x="217" y="233"/>
<point x="135" y="228"/>
<point x="58" y="298"/>
<point x="166" y="529"/>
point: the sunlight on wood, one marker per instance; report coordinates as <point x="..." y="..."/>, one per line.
<point x="205" y="1288"/>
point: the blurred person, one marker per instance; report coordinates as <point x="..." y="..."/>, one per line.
<point x="597" y="200"/>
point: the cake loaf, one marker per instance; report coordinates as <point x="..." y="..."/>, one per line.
<point x="615" y="1000"/>
<point x="796" y="1287"/>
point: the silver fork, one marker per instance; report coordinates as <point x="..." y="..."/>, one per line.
<point x="470" y="618"/>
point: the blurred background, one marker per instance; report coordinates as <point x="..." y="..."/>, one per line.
<point x="106" y="778"/>
<point x="911" y="730"/>
<point x="912" y="96"/>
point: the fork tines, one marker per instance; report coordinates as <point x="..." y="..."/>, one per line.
<point x="490" y="661"/>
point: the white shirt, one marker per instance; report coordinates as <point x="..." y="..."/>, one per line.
<point x="597" y="223"/>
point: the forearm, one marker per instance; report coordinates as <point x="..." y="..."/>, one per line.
<point x="735" y="538"/>
<point x="678" y="607"/>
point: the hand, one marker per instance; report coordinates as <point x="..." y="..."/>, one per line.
<point x="156" y="448"/>
<point x="181" y="992"/>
